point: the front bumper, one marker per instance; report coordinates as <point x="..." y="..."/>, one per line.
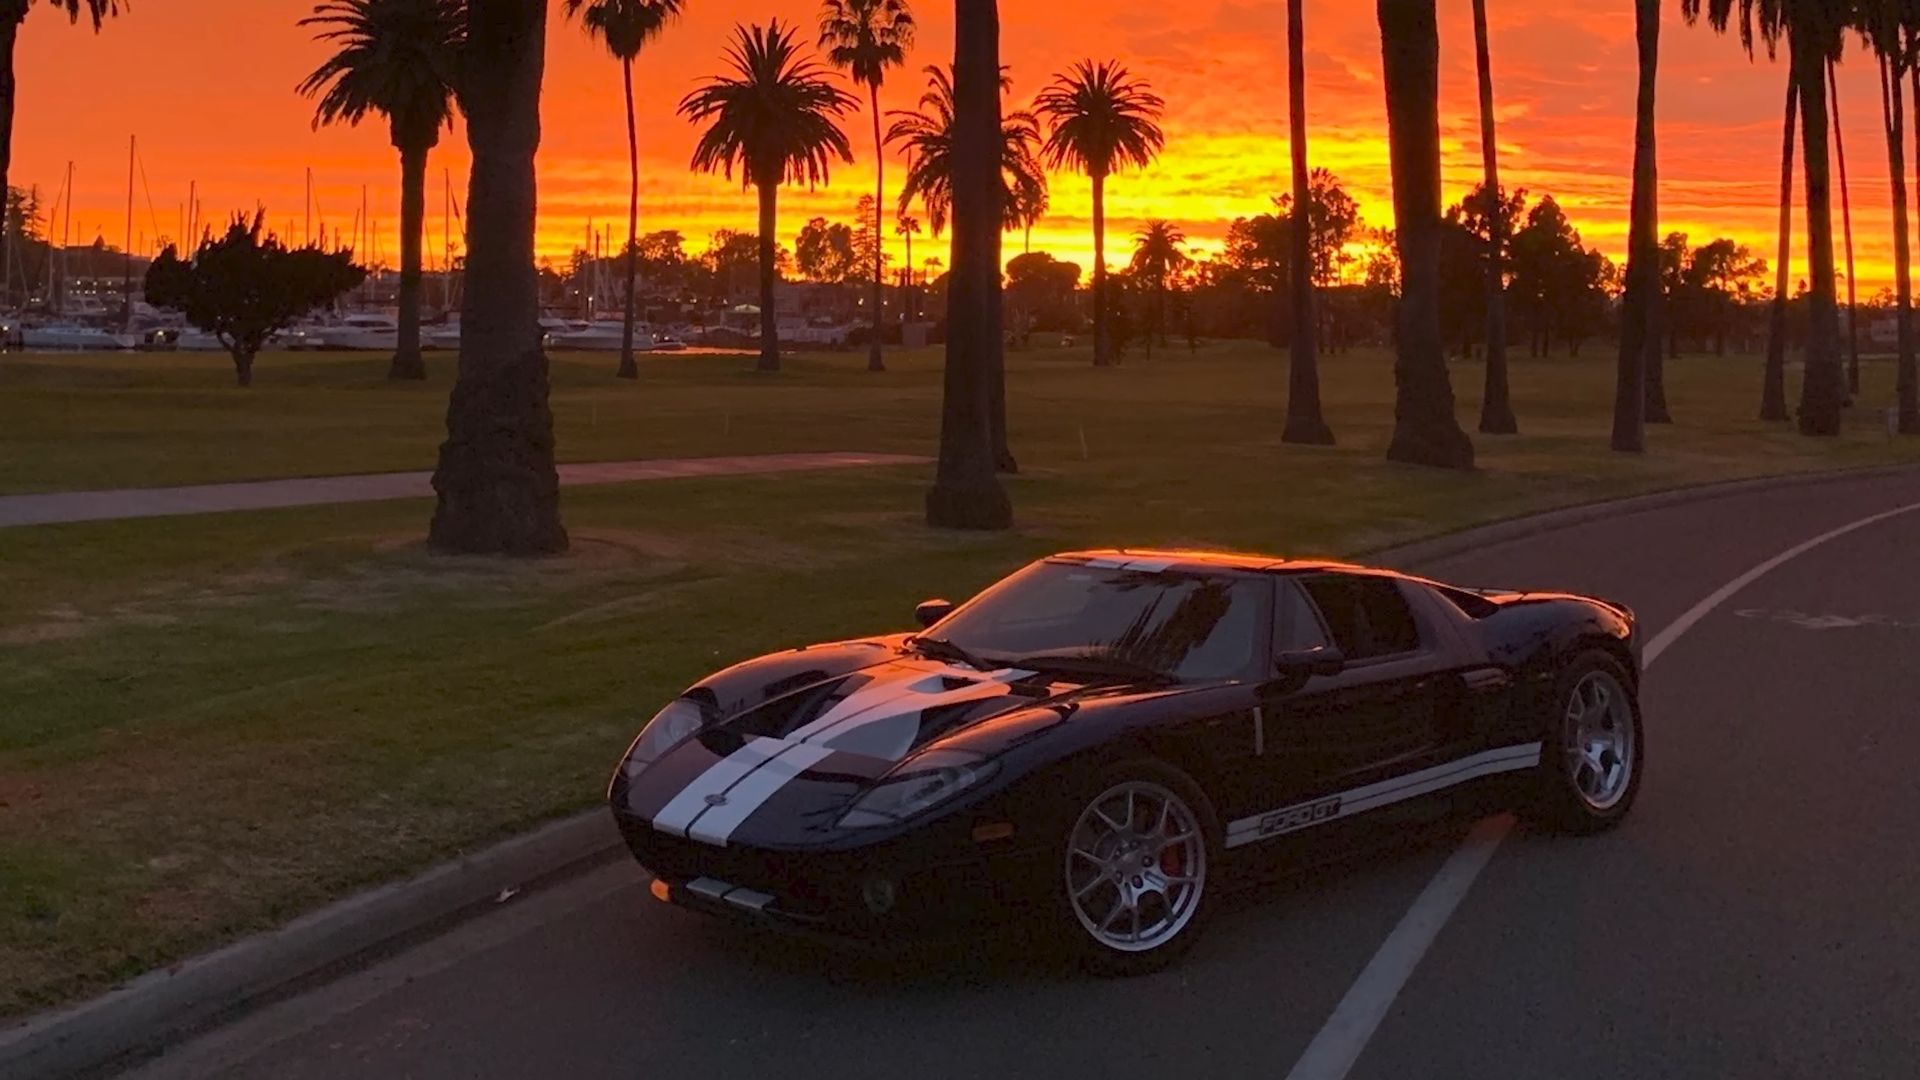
<point x="885" y="890"/>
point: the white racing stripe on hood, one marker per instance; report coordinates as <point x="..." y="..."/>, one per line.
<point x="750" y="794"/>
<point x="882" y="718"/>
<point x="677" y="816"/>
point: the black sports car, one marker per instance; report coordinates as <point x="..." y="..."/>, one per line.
<point x="1098" y="738"/>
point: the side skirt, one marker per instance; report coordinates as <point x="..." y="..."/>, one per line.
<point x="1359" y="800"/>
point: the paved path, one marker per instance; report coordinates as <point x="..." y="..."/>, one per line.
<point x="65" y="506"/>
<point x="1753" y="919"/>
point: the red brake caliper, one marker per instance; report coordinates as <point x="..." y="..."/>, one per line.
<point x="1173" y="860"/>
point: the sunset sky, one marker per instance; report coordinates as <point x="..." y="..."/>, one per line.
<point x="207" y="86"/>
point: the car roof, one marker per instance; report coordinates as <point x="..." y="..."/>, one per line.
<point x="1200" y="561"/>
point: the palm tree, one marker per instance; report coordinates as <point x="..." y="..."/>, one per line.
<point x="1305" y="421"/>
<point x="12" y="14"/>
<point x="1496" y="405"/>
<point x="497" y="487"/>
<point x="1813" y="32"/>
<point x="1846" y="227"/>
<point x="625" y="27"/>
<point x="866" y="37"/>
<point x="1030" y="205"/>
<point x="1425" y="431"/>
<point x="906" y="227"/>
<point x="1884" y="27"/>
<point x="966" y="493"/>
<point x="1773" y="379"/>
<point x="929" y="135"/>
<point x="401" y="59"/>
<point x="1100" y="120"/>
<point x="775" y="119"/>
<point x="1638" y="312"/>
<point x="1157" y="257"/>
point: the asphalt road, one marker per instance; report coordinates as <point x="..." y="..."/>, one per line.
<point x="1756" y="917"/>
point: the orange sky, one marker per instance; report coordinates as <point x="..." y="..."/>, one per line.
<point x="207" y="85"/>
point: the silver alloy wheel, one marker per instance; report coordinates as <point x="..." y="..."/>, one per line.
<point x="1599" y="740"/>
<point x="1136" y="866"/>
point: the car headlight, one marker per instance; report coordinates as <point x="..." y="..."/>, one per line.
<point x="678" y="720"/>
<point x="924" y="782"/>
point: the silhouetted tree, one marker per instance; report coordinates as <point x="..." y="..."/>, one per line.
<point x="499" y="492"/>
<point x="1496" y="403"/>
<point x="401" y="59"/>
<point x="1306" y="423"/>
<point x="775" y="118"/>
<point x="1157" y="259"/>
<point x="245" y="286"/>
<point x="865" y="38"/>
<point x="966" y="492"/>
<point x="1425" y="431"/>
<point x="1100" y="120"/>
<point x="1637" y="310"/>
<point x="625" y="27"/>
<point x="928" y="134"/>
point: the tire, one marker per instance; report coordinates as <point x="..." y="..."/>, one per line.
<point x="1578" y="786"/>
<point x="1098" y="896"/>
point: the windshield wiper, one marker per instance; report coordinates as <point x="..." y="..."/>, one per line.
<point x="941" y="649"/>
<point x="1095" y="663"/>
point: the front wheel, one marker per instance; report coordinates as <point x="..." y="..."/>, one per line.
<point x="1590" y="764"/>
<point x="1135" y="869"/>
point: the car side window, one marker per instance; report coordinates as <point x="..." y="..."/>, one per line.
<point x="1368" y="616"/>
<point x="1296" y="625"/>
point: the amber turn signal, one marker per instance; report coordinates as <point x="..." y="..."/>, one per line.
<point x="660" y="890"/>
<point x="993" y="830"/>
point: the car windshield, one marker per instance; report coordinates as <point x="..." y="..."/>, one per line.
<point x="1131" y="621"/>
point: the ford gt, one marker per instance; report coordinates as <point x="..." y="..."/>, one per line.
<point x="1099" y="741"/>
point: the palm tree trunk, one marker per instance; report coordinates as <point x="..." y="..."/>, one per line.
<point x="1102" y="345"/>
<point x="769" y="323"/>
<point x="966" y="494"/>
<point x="1846" y="224"/>
<point x="1643" y="253"/>
<point x="1773" y="388"/>
<point x="407" y="362"/>
<point x="1823" y="389"/>
<point x="629" y="369"/>
<point x="1425" y="431"/>
<point x="1305" y="421"/>
<point x="497" y="487"/>
<point x="12" y="13"/>
<point x="1663" y="340"/>
<point x="1496" y="405"/>
<point x="1893" y="109"/>
<point x="874" y="360"/>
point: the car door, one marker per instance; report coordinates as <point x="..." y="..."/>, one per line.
<point x="1376" y="719"/>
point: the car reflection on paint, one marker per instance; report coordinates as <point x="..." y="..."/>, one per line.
<point x="1101" y="739"/>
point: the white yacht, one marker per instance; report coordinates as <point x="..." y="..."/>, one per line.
<point x="600" y="335"/>
<point x="370" y="332"/>
<point x="73" y="337"/>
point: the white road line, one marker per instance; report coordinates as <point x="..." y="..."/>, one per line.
<point x="1339" y="1042"/>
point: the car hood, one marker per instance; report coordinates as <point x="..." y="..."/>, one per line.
<point x="781" y="773"/>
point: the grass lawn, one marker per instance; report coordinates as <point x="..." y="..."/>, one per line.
<point x="213" y="723"/>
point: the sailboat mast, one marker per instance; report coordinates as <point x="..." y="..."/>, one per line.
<point x="66" y="242"/>
<point x="126" y="270"/>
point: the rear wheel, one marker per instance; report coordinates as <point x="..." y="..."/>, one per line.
<point x="1135" y="868"/>
<point x="1590" y="764"/>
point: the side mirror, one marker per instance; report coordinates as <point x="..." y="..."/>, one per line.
<point x="1299" y="665"/>
<point x="929" y="612"/>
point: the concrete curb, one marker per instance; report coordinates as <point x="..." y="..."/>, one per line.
<point x="93" y="1037"/>
<point x="163" y="1006"/>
